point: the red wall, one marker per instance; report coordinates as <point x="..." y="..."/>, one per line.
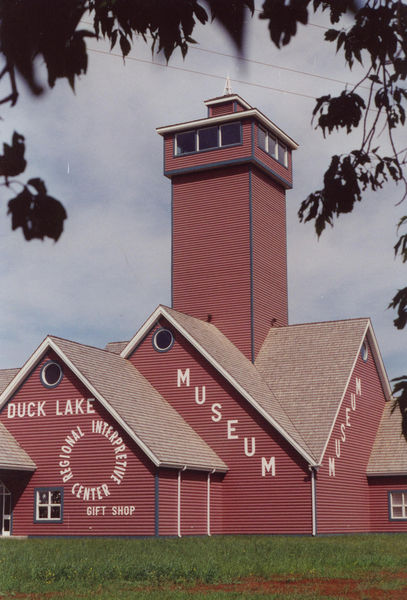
<point x="252" y="503"/>
<point x="269" y="256"/>
<point x="92" y="462"/>
<point x="379" y="488"/>
<point x="211" y="250"/>
<point x="343" y="500"/>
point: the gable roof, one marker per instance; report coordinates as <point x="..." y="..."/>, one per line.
<point x="309" y="367"/>
<point x="227" y="359"/>
<point x="389" y="452"/>
<point x="140" y="410"/>
<point x="12" y="455"/>
<point x="299" y="378"/>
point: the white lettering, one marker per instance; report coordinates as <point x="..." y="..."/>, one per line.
<point x="347" y="416"/>
<point x="123" y="511"/>
<point x="78" y="406"/>
<point x="57" y="411"/>
<point x="182" y="377"/>
<point x="358" y="386"/>
<point x="89" y="406"/>
<point x="31" y="409"/>
<point x="266" y="467"/>
<point x="343" y="436"/>
<point x="231" y="429"/>
<point x="331" y="466"/>
<point x="252" y="451"/>
<point x="338" y="448"/>
<point x="353" y="401"/>
<point x="94" y="511"/>
<point x="217" y="415"/>
<point x="203" y="395"/>
<point x="11" y="411"/>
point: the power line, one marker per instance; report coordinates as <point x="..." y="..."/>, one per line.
<point x="185" y="70"/>
<point x="265" y="64"/>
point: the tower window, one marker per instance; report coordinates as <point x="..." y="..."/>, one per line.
<point x="272" y="146"/>
<point x="230" y="134"/>
<point x="163" y="340"/>
<point x="186" y="142"/>
<point x="208" y="138"/>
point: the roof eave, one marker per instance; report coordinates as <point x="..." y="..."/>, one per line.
<point x="244" y="114"/>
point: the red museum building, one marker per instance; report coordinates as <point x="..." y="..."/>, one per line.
<point x="217" y="417"/>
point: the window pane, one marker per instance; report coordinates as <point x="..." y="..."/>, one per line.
<point x="55" y="512"/>
<point x="230" y="134"/>
<point x="397" y="512"/>
<point x="397" y="498"/>
<point x="208" y="138"/>
<point x="43" y="512"/>
<point x="262" y="136"/>
<point x="43" y="497"/>
<point x="186" y="142"/>
<point x="272" y="149"/>
<point x="56" y="497"/>
<point x="282" y="150"/>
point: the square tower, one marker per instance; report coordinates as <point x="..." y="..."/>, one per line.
<point x="229" y="172"/>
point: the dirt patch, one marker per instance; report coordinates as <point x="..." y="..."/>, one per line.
<point x="367" y="588"/>
<point x="375" y="587"/>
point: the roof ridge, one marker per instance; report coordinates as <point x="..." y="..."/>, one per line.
<point x="354" y="319"/>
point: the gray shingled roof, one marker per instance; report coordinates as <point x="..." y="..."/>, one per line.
<point x="389" y="452"/>
<point x="116" y="347"/>
<point x="12" y="456"/>
<point x="6" y="375"/>
<point x="244" y="373"/>
<point x="163" y="431"/>
<point x="307" y="367"/>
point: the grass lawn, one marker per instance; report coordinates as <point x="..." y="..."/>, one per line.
<point x="275" y="567"/>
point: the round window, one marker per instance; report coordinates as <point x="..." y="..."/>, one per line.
<point x="51" y="374"/>
<point x="163" y="340"/>
<point x="364" y="353"/>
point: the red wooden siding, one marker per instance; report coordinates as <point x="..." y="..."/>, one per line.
<point x="343" y="500"/>
<point x="269" y="256"/>
<point x="194" y="503"/>
<point x="168" y="502"/>
<point x="252" y="503"/>
<point x="222" y="109"/>
<point x="129" y="507"/>
<point x="209" y="157"/>
<point x="216" y="503"/>
<point x="211" y="250"/>
<point x="379" y="488"/>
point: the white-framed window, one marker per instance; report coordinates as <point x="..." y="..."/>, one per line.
<point x="208" y="138"/>
<point x="51" y="374"/>
<point x="274" y="147"/>
<point x="398" y="504"/>
<point x="48" y="505"/>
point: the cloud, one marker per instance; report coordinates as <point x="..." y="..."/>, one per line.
<point x="99" y="153"/>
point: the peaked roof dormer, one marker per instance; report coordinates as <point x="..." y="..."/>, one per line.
<point x="160" y="432"/>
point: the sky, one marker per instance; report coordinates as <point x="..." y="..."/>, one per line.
<point x="99" y="153"/>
